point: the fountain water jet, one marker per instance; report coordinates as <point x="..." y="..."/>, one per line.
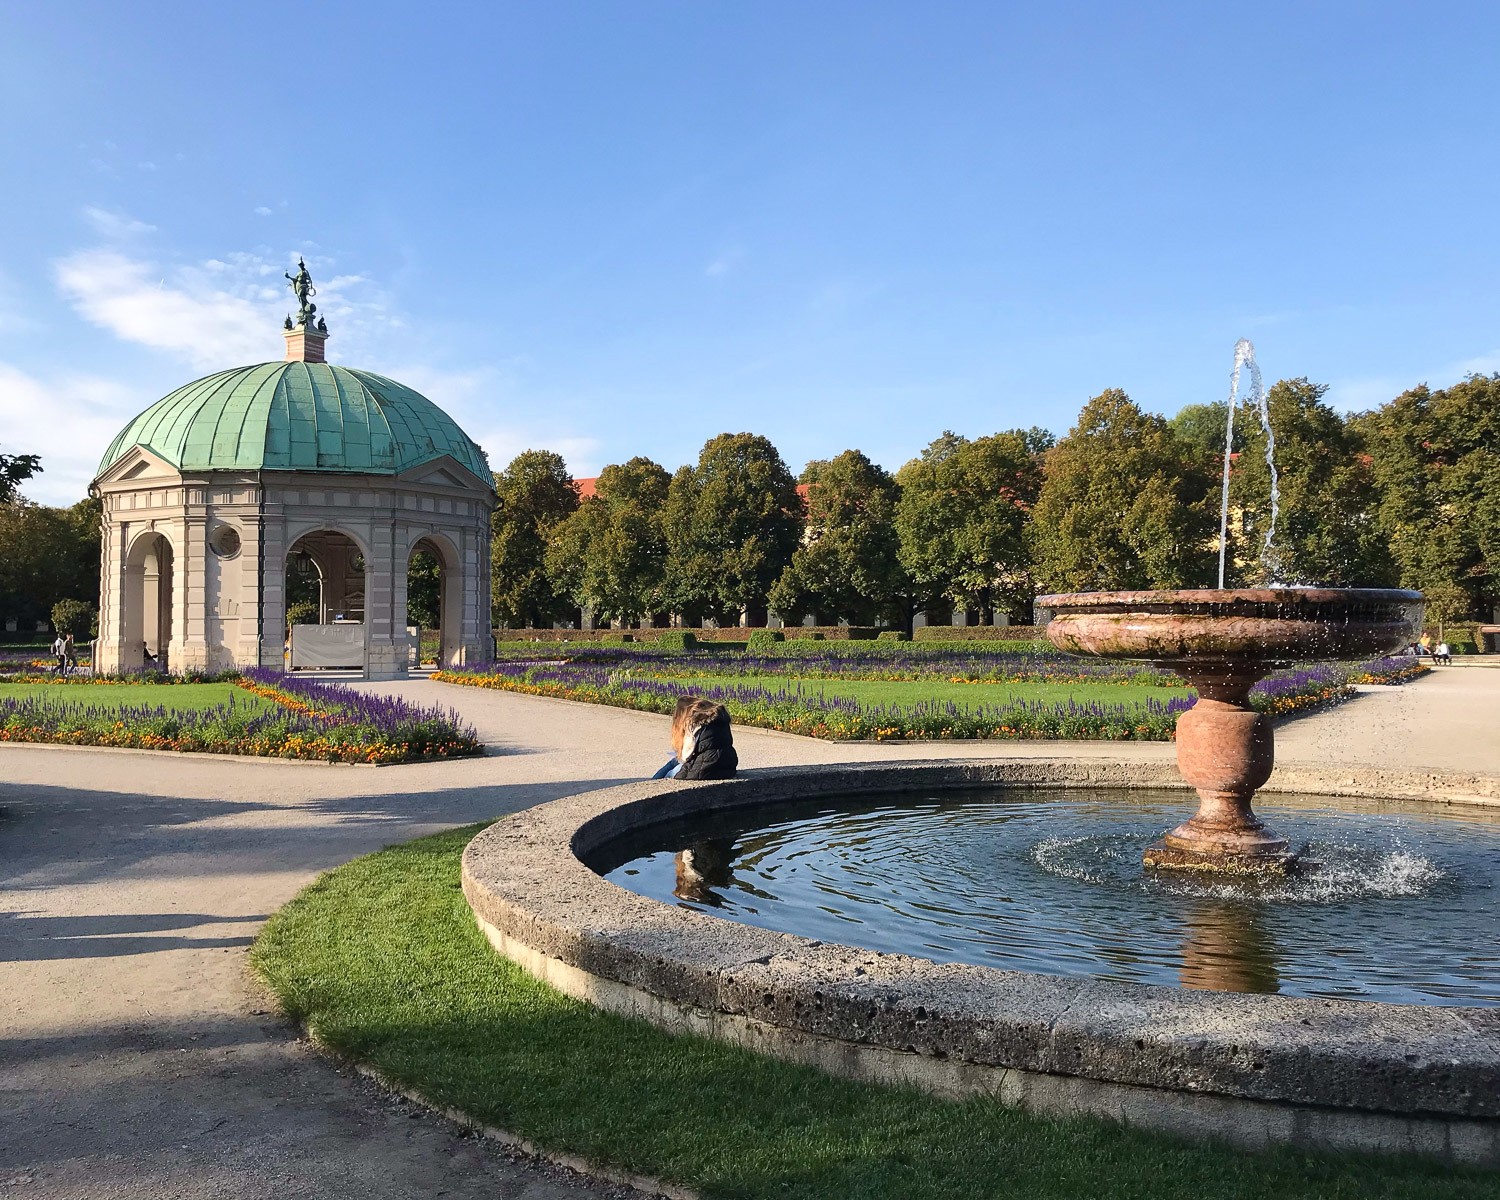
<point x="1222" y="642"/>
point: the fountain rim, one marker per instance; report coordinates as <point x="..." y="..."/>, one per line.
<point x="958" y="1028"/>
<point x="1173" y="599"/>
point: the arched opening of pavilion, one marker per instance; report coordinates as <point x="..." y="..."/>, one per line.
<point x="325" y="602"/>
<point x="434" y="602"/>
<point x="148" y="596"/>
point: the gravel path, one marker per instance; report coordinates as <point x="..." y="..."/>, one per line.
<point x="137" y="1059"/>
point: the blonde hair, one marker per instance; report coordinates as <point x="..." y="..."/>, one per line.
<point x="690" y="715"/>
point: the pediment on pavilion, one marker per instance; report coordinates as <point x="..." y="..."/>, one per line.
<point x="444" y="472"/>
<point x="139" y="464"/>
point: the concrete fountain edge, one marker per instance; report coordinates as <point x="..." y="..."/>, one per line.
<point x="1251" y="1069"/>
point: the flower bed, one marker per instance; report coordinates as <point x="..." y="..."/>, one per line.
<point x="318" y="721"/>
<point x="872" y="661"/>
<point x="792" y="708"/>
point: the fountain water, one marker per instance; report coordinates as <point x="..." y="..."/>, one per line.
<point x="1244" y="361"/>
<point x="1223" y="641"/>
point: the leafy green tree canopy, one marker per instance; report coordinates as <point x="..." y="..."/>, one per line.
<point x="78" y="617"/>
<point x="849" y="562"/>
<point x="610" y="555"/>
<point x="535" y="492"/>
<point x="732" y="523"/>
<point x="1123" y="505"/>
<point x="1325" y="531"/>
<point x="46" y="555"/>
<point x="14" y="470"/>
<point x="1435" y="461"/>
<point x="962" y="518"/>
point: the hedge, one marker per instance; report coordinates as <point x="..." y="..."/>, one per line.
<point x="979" y="633"/>
<point x="1462" y="638"/>
<point x="677" y="639"/>
<point x="727" y="633"/>
<point x="764" y="639"/>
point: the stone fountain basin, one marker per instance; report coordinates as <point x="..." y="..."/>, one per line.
<point x="1269" y="626"/>
<point x="1255" y="1070"/>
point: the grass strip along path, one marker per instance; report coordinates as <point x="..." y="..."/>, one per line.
<point x="260" y="714"/>
<point x="382" y="961"/>
<point x="1098" y="701"/>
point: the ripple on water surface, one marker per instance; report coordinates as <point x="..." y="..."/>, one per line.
<point x="1403" y="906"/>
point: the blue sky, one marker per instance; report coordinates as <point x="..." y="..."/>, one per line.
<point x="617" y="229"/>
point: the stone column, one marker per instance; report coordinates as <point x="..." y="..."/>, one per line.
<point x="190" y="595"/>
<point x="385" y="585"/>
<point x="273" y="586"/>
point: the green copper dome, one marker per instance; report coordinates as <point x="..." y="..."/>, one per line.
<point x="297" y="416"/>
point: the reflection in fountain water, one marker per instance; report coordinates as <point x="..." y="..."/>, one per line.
<point x="703" y="866"/>
<point x="1404" y="905"/>
<point x="1228" y="949"/>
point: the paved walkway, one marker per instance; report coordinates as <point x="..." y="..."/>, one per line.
<point x="137" y="1059"/>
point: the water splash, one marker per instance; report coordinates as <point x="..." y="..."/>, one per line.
<point x="1244" y="358"/>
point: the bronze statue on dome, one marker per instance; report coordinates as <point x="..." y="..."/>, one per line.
<point x="302" y="287"/>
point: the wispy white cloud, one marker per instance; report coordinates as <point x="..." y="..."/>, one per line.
<point x="262" y="211"/>
<point x="114" y="225"/>
<point x="68" y="420"/>
<point x="204" y="325"/>
<point x="223" y="311"/>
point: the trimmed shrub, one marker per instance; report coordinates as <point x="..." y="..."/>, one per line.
<point x="979" y="633"/>
<point x="78" y="617"/>
<point x="764" y="639"/>
<point x="677" y="639"/>
<point x="616" y="639"/>
<point x="816" y="636"/>
<point x="892" y="635"/>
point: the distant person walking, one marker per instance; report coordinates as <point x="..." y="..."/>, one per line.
<point x="70" y="653"/>
<point x="60" y="652"/>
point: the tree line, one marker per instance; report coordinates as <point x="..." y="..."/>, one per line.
<point x="1407" y="495"/>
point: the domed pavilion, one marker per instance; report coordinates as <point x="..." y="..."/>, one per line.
<point x="294" y="477"/>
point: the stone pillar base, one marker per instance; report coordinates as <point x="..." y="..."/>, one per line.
<point x="385" y="660"/>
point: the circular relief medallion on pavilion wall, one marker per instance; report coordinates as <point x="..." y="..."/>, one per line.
<point x="225" y="541"/>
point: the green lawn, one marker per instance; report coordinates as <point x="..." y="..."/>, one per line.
<point x="119" y="695"/>
<point x="966" y="695"/>
<point x="382" y="959"/>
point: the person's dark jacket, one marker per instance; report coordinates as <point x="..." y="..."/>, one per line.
<point x="713" y="755"/>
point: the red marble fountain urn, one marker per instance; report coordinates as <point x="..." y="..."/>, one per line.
<point x="1222" y="642"/>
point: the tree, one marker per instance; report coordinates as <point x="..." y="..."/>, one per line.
<point x="848" y="564"/>
<point x="962" y="519"/>
<point x="78" y="617"/>
<point x="610" y="556"/>
<point x="15" y="469"/>
<point x="535" y="493"/>
<point x="1436" y="470"/>
<point x="1123" y="506"/>
<point x="732" y="523"/>
<point x="46" y="555"/>
<point x="424" y="590"/>
<point x="1325" y="526"/>
<point x="1201" y="429"/>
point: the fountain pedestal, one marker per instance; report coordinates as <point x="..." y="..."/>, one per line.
<point x="1222" y="642"/>
<point x="1226" y="751"/>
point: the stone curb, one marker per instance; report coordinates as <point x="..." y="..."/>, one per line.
<point x="1405" y="1078"/>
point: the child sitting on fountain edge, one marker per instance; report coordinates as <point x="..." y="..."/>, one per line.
<point x="702" y="743"/>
